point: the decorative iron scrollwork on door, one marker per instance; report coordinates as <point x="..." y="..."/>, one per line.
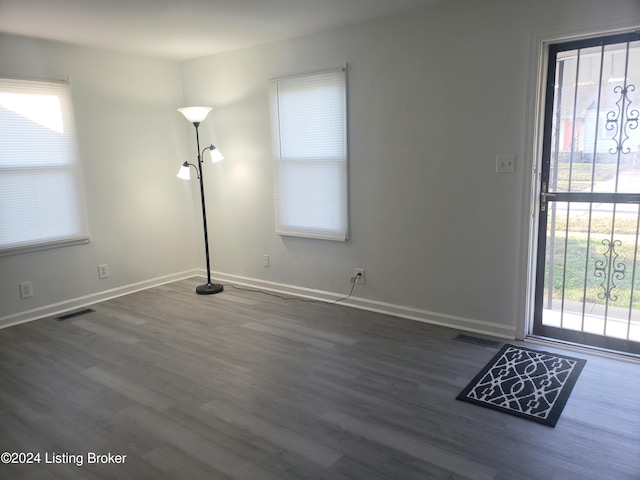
<point x="610" y="269"/>
<point x="622" y="120"/>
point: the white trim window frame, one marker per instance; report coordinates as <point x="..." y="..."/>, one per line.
<point x="42" y="203"/>
<point x="309" y="120"/>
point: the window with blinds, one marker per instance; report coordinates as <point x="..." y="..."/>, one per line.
<point x="310" y="141"/>
<point x="41" y="195"/>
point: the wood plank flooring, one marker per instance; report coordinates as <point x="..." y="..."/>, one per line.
<point x="246" y="386"/>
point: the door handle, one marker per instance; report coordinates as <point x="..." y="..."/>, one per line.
<point x="543" y="197"/>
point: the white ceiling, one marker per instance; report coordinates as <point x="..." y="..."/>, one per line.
<point x="183" y="29"/>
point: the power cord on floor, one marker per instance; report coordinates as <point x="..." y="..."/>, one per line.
<point x="306" y="300"/>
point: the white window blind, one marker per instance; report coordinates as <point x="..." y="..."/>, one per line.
<point x="41" y="195"/>
<point x="310" y="140"/>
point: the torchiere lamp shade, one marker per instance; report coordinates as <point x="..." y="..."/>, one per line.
<point x="195" y="114"/>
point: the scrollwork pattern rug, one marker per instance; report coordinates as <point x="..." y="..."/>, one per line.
<point x="527" y="383"/>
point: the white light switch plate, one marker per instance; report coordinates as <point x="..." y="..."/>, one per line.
<point x="506" y="163"/>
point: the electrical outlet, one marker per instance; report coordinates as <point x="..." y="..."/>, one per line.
<point x="360" y="279"/>
<point x="265" y="261"/>
<point x="26" y="290"/>
<point x="103" y="271"/>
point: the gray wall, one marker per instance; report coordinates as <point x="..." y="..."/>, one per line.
<point x="131" y="143"/>
<point x="434" y="96"/>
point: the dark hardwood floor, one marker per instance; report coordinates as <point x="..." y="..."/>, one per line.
<point x="242" y="385"/>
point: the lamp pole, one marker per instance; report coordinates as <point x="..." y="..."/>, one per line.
<point x="208" y="288"/>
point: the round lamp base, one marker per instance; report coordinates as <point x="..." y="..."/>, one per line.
<point x="209" y="288"/>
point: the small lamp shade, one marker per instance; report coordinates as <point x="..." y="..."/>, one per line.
<point x="216" y="156"/>
<point x="195" y="114"/>
<point x="185" y="172"/>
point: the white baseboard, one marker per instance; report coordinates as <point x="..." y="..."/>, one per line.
<point x="420" y="315"/>
<point x="80" y="302"/>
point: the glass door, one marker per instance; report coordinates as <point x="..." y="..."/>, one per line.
<point x="588" y="272"/>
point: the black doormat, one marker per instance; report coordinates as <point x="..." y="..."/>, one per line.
<point x="526" y="383"/>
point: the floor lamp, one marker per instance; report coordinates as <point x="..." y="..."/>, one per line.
<point x="196" y="115"/>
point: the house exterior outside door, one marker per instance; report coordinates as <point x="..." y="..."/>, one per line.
<point x="588" y="271"/>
